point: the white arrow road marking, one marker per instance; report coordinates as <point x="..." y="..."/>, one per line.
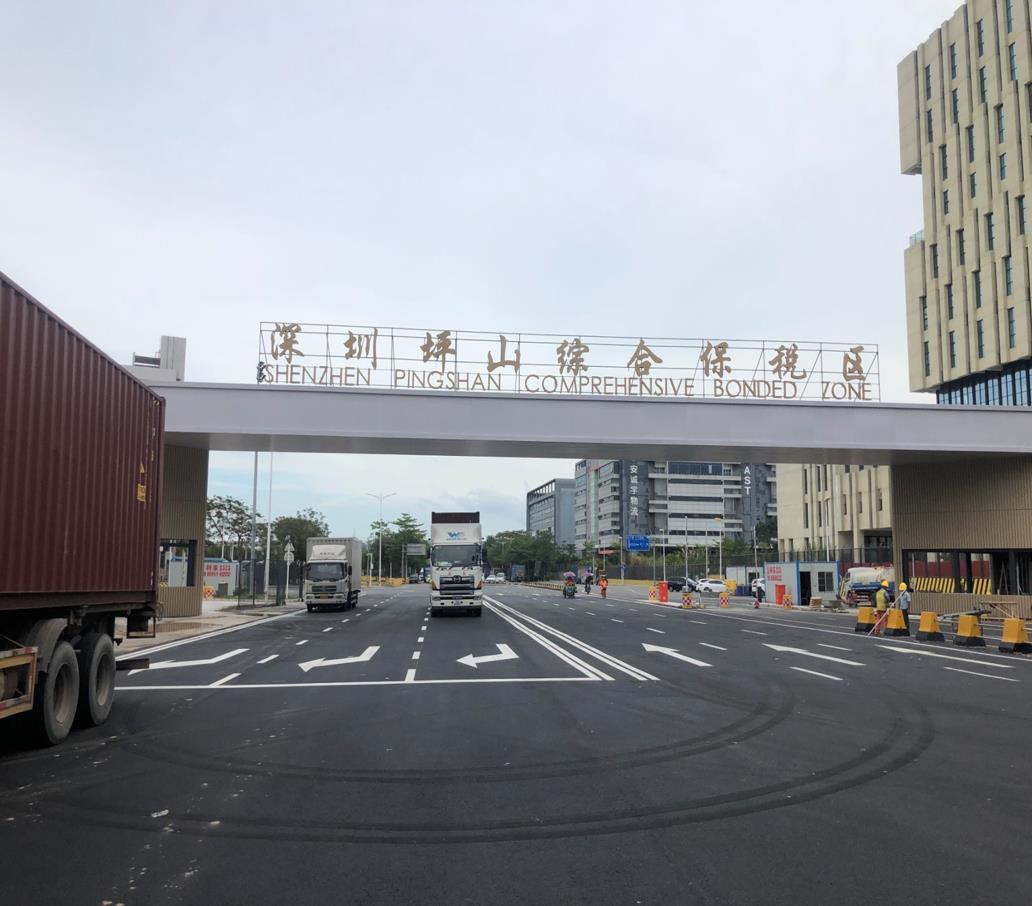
<point x="673" y="652"/>
<point x="164" y="665"/>
<point x="366" y="655"/>
<point x="805" y="653"/>
<point x="945" y="657"/>
<point x="505" y="653"/>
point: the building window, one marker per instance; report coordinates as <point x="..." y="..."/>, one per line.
<point x="1001" y="132"/>
<point x="177" y="563"/>
<point x="806" y="483"/>
<point x="971" y="144"/>
<point x="944" y="163"/>
<point x="979" y="39"/>
<point x="859" y="504"/>
<point x="820" y="515"/>
<point x="927" y="360"/>
<point x="953" y="61"/>
<point x="990" y="232"/>
<point x="953" y="349"/>
<point x="881" y="506"/>
<point x="1009" y="7"/>
<point x="924" y="313"/>
<point x="1012" y="329"/>
<point x="960" y="246"/>
<point x="955" y="105"/>
<point x="928" y="125"/>
<point x="1003" y="166"/>
<point x="976" y="283"/>
<point x="1008" y="275"/>
<point x="844" y="510"/>
<point x="1020" y="202"/>
<point x="806" y="514"/>
<point x="979" y="338"/>
<point x="928" y="83"/>
<point x="983" y="84"/>
<point x="973" y="185"/>
<point x="945" y="201"/>
<point x="949" y="301"/>
<point x="935" y="259"/>
<point x="1012" y="59"/>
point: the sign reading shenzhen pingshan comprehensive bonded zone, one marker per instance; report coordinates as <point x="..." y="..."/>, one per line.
<point x="329" y="355"/>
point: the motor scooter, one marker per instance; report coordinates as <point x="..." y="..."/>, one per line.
<point x="569" y="588"/>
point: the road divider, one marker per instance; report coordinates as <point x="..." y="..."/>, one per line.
<point x="1015" y="637"/>
<point x="928" y="630"/>
<point x="895" y="624"/>
<point x="865" y="619"/>
<point x="969" y="632"/>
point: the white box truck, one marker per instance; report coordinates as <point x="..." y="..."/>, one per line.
<point x="333" y="573"/>
<point x="456" y="563"/>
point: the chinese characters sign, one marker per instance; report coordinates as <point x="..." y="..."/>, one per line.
<point x="329" y="355"/>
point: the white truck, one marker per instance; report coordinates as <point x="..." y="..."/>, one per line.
<point x="333" y="573"/>
<point x="456" y="563"/>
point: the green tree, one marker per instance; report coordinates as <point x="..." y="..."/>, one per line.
<point x="228" y="521"/>
<point x="405" y="529"/>
<point x="308" y="523"/>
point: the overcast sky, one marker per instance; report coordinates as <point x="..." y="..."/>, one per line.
<point x="703" y="168"/>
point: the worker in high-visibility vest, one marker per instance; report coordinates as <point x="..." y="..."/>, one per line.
<point x="881" y="606"/>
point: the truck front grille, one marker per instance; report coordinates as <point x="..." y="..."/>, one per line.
<point x="457" y="587"/>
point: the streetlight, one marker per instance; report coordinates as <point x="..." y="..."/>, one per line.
<point x="720" y="544"/>
<point x="379" y="562"/>
<point x="288" y="558"/>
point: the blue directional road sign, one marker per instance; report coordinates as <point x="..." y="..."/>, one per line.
<point x="638" y="542"/>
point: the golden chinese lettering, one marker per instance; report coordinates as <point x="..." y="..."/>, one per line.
<point x="287" y="345"/>
<point x="362" y="346"/>
<point x="570" y="355"/>
<point x="439" y="347"/>
<point x="715" y="359"/>
<point x="642" y="359"/>
<point x="502" y="361"/>
<point x="853" y="365"/>
<point x="785" y="362"/>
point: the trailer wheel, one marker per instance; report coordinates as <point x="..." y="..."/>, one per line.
<point x="96" y="679"/>
<point x="57" y="695"/>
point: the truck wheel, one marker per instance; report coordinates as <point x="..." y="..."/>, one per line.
<point x="310" y="608"/>
<point x="478" y="611"/>
<point x="96" y="679"/>
<point x="57" y="695"/>
<point x="435" y="611"/>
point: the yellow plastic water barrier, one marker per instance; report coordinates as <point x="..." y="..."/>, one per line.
<point x="969" y="632"/>
<point x="929" y="630"/>
<point x="895" y="625"/>
<point x="1015" y="637"/>
<point x="864" y="619"/>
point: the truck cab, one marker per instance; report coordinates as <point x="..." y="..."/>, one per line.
<point x="456" y="563"/>
<point x="330" y="579"/>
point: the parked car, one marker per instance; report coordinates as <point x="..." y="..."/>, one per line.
<point x="712" y="586"/>
<point x="494" y="579"/>
<point x="414" y="579"/>
<point x="680" y="583"/>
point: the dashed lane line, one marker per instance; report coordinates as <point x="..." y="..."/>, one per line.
<point x="660" y="631"/>
<point x="816" y="673"/>
<point x="615" y="620"/>
<point x="708" y="645"/>
<point x="415" y="655"/>
<point x="833" y="647"/>
<point x="1006" y="679"/>
<point x="266" y="660"/>
<point x="328" y="629"/>
<point x="302" y="642"/>
<point x="224" y="680"/>
<point x="752" y="632"/>
<point x="419" y="641"/>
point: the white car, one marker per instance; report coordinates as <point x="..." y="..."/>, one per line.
<point x="494" y="580"/>
<point x="712" y="586"/>
<point x="757" y="583"/>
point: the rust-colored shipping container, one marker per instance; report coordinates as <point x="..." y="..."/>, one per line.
<point x="80" y="467"/>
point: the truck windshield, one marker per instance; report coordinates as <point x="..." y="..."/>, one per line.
<point x="324" y="572"/>
<point x="448" y="555"/>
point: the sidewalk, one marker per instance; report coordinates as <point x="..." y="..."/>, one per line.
<point x="219" y="613"/>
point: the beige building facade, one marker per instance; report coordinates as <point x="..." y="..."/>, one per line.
<point x="965" y="110"/>
<point x="835" y="512"/>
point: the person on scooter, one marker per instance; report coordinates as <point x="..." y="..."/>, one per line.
<point x="588" y="579"/>
<point x="603" y="584"/>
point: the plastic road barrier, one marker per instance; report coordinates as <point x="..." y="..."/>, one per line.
<point x="664" y="593"/>
<point x="865" y="619"/>
<point x="929" y="630"/>
<point x="969" y="632"/>
<point x="896" y="625"/>
<point x="1015" y="637"/>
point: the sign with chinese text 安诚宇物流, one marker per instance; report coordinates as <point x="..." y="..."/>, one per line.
<point x="329" y="355"/>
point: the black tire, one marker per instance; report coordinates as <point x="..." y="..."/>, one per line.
<point x="96" y="679"/>
<point x="478" y="611"/>
<point x="57" y="695"/>
<point x="310" y="608"/>
<point x="435" y="611"/>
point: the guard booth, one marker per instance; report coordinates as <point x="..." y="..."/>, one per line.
<point x="801" y="580"/>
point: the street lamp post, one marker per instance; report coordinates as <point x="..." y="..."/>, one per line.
<point x="720" y="543"/>
<point x="379" y="533"/>
<point x="288" y="558"/>
<point x="686" y="546"/>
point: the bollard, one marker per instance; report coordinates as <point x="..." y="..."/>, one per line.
<point x="865" y="619"/>
<point x="1015" y="637"/>
<point x="786" y="602"/>
<point x="896" y="624"/>
<point x="969" y="632"/>
<point x="652" y="593"/>
<point x="686" y="598"/>
<point x="929" y="630"/>
<point x="725" y="599"/>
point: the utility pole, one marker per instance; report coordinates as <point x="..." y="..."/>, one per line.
<point x="720" y="522"/>
<point x="686" y="546"/>
<point x="254" y="525"/>
<point x="268" y="531"/>
<point x="379" y="562"/>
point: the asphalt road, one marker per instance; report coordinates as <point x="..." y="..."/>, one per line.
<point x="551" y="751"/>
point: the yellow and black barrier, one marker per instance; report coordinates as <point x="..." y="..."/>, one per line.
<point x="1015" y="637"/>
<point x="865" y="619"/>
<point x="896" y="625"/>
<point x="969" y="632"/>
<point x="928" y="630"/>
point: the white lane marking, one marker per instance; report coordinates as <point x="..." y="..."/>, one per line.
<point x="785" y="649"/>
<point x="224" y="680"/>
<point x="947" y="657"/>
<point x="752" y="631"/>
<point x="266" y="660"/>
<point x="708" y="645"/>
<point x="661" y="616"/>
<point x="660" y="631"/>
<point x="415" y="655"/>
<point x="815" y="673"/>
<point x="344" y="620"/>
<point x="410" y="676"/>
<point x="569" y="608"/>
<point x="698" y="622"/>
<point x="423" y="627"/>
<point x="154" y="649"/>
<point x="505" y="653"/>
<point x="607" y="659"/>
<point x="202" y="662"/>
<point x="419" y="641"/>
<point x="615" y="620"/>
<point x="589" y="613"/>
<point x="673" y="652"/>
<point x="610" y="605"/>
<point x="366" y="655"/>
<point x="1007" y="679"/>
<point x="302" y="642"/>
<point x="313" y="685"/>
<point x="833" y="647"/>
<point x="588" y="670"/>
<point x="328" y="629"/>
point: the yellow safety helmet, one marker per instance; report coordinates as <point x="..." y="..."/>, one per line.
<point x="902" y="586"/>
<point x="884" y="583"/>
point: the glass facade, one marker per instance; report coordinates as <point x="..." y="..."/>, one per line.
<point x="1012" y="386"/>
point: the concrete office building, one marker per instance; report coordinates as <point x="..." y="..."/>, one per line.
<point x="550" y="508"/>
<point x="965" y="109"/>
<point x="835" y="512"/>
<point x="670" y="501"/>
